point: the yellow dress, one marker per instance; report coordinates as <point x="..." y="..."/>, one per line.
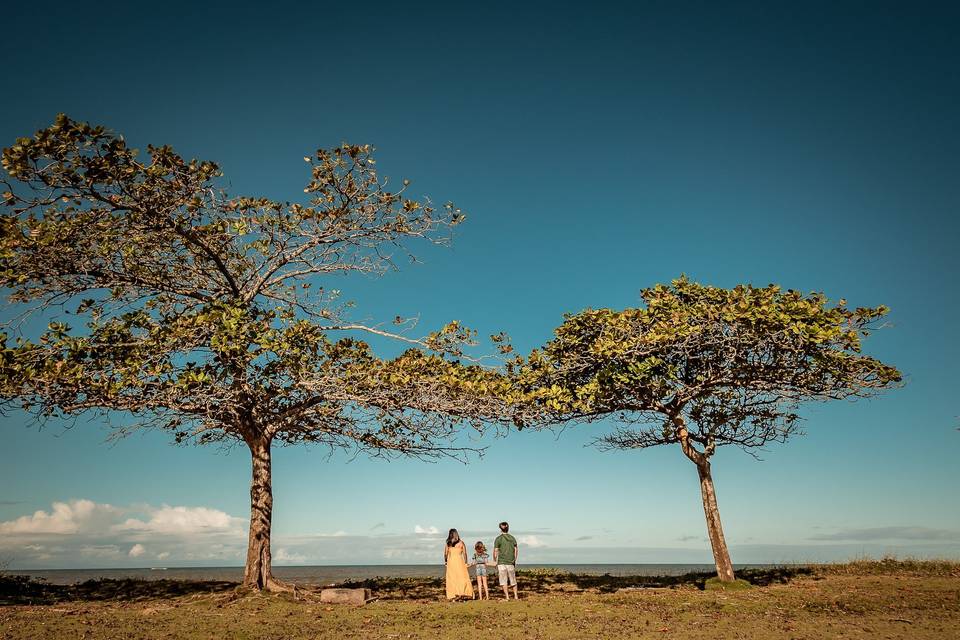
<point x="458" y="577"/>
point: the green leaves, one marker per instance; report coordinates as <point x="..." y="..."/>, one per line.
<point x="204" y="312"/>
<point x="735" y="361"/>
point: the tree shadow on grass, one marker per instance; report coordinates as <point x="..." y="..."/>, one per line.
<point x="554" y="581"/>
<point x="18" y="589"/>
<point x="545" y="582"/>
<point x="425" y="588"/>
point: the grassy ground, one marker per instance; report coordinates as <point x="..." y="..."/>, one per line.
<point x="892" y="599"/>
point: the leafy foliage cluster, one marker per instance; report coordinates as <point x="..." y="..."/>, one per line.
<point x="733" y="364"/>
<point x="199" y="310"/>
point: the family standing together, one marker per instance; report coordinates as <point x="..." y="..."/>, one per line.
<point x="505" y="553"/>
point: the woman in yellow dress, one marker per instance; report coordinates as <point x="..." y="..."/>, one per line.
<point x="458" y="577"/>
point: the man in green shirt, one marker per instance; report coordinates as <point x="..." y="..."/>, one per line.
<point x="505" y="553"/>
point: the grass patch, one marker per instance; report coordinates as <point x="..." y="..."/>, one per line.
<point x="891" y="565"/>
<point x="810" y="606"/>
<point x="716" y="584"/>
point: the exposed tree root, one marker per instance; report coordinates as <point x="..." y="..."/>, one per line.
<point x="271" y="585"/>
<point x="279" y="586"/>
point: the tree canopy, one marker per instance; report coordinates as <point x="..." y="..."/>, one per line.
<point x="736" y="362"/>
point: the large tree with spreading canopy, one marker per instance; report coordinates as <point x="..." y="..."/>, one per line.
<point x="212" y="317"/>
<point x="703" y="367"/>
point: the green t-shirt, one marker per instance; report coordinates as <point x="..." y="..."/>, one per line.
<point x="506" y="546"/>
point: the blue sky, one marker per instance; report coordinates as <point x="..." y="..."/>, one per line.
<point x="596" y="151"/>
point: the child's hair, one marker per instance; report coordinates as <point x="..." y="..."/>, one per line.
<point x="479" y="547"/>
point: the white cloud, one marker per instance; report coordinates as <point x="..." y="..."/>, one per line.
<point x="430" y="531"/>
<point x="63" y="518"/>
<point x="184" y="521"/>
<point x="283" y="556"/>
<point x="531" y="541"/>
<point x="41" y="552"/>
<point x="77" y="533"/>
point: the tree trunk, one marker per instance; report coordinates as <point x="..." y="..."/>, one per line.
<point x="257" y="573"/>
<point x="714" y="529"/>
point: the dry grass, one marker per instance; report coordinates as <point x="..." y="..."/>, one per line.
<point x="891" y="565"/>
<point x="908" y="599"/>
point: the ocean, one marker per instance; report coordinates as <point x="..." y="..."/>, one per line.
<point x="325" y="575"/>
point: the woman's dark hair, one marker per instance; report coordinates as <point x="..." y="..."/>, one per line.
<point x="450" y="540"/>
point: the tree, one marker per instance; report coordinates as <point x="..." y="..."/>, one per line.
<point x="703" y="367"/>
<point x="198" y="313"/>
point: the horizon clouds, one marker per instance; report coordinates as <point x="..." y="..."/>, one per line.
<point x="81" y="533"/>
